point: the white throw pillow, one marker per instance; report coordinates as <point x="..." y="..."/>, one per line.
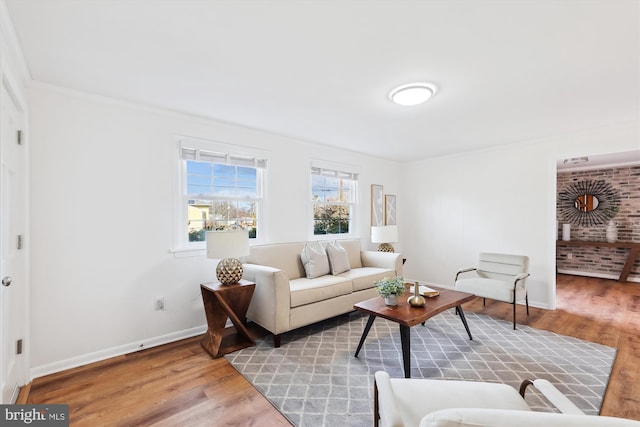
<point x="338" y="258"/>
<point x="315" y="261"/>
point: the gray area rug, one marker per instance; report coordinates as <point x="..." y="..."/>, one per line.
<point x="315" y="380"/>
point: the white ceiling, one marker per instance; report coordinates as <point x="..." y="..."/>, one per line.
<point x="506" y="71"/>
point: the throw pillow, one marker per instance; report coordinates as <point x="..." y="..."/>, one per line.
<point x="315" y="261"/>
<point x="338" y="258"/>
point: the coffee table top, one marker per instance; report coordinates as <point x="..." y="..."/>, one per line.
<point x="407" y="315"/>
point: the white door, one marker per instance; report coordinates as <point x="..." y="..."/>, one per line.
<point x="13" y="258"/>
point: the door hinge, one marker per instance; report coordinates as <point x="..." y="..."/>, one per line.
<point x="19" y="137"/>
<point x="20" y="241"/>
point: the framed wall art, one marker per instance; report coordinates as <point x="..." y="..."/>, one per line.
<point x="390" y="209"/>
<point x="377" y="205"/>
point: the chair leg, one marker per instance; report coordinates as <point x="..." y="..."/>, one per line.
<point x="514" y="309"/>
<point x="376" y="409"/>
<point x="526" y="300"/>
<point x="484" y="302"/>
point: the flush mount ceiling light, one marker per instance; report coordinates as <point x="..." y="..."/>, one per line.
<point x="575" y="160"/>
<point x="412" y="93"/>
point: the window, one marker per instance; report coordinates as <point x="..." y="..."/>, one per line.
<point x="219" y="191"/>
<point x="334" y="196"/>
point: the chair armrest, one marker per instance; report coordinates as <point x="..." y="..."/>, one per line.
<point x="465" y="270"/>
<point x="520" y="277"/>
<point x="388" y="260"/>
<point x="271" y="301"/>
<point x="385" y="402"/>
<point x="553" y="395"/>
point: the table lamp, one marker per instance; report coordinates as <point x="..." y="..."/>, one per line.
<point x="228" y="246"/>
<point x="385" y="235"/>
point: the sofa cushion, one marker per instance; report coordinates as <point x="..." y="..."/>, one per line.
<point x="352" y="247"/>
<point x="283" y="256"/>
<point x="338" y="258"/>
<point x="307" y="291"/>
<point x="364" y="278"/>
<point x="315" y="260"/>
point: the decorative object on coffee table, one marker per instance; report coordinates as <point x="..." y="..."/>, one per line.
<point x="416" y="300"/>
<point x="228" y="246"/>
<point x="385" y="235"/>
<point x="390" y="289"/>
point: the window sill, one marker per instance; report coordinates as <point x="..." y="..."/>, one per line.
<point x="188" y="252"/>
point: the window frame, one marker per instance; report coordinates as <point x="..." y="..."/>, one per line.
<point x="181" y="243"/>
<point x="342" y="168"/>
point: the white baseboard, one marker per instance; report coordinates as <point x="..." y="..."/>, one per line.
<point x="597" y="275"/>
<point x="85" y="359"/>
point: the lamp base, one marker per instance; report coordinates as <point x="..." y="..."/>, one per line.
<point x="229" y="271"/>
<point x="385" y="247"/>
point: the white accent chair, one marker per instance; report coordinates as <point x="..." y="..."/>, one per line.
<point x="500" y="277"/>
<point x="410" y="402"/>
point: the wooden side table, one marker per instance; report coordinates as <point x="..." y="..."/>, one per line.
<point x="222" y="302"/>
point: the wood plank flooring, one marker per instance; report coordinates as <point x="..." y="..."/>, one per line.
<point x="179" y="383"/>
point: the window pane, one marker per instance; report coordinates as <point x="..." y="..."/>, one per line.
<point x="330" y="189"/>
<point x="331" y="219"/>
<point x="199" y="219"/>
<point x="207" y="215"/>
<point x="220" y="180"/>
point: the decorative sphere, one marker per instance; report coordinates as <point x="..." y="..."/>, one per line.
<point x="229" y="271"/>
<point x="385" y="247"/>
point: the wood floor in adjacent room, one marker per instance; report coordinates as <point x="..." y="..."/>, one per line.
<point x="178" y="384"/>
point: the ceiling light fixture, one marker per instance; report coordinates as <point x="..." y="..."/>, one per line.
<point x="412" y="93"/>
<point x="575" y="160"/>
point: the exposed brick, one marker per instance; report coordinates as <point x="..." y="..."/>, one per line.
<point x="626" y="180"/>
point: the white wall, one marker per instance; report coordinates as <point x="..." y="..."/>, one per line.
<point x="101" y="217"/>
<point x="101" y="226"/>
<point x="500" y="200"/>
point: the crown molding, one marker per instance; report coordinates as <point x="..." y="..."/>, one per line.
<point x="12" y="45"/>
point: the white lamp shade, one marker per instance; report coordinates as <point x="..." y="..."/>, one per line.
<point x="384" y="234"/>
<point x="227" y="244"/>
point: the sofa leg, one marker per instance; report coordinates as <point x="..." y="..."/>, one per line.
<point x="276" y="340"/>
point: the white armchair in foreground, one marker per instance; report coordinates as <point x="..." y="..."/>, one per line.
<point x="410" y="402"/>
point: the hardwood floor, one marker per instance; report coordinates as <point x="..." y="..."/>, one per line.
<point x="179" y="383"/>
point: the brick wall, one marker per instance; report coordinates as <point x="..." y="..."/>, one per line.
<point x="603" y="261"/>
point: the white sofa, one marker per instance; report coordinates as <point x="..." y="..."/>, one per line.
<point x="285" y="299"/>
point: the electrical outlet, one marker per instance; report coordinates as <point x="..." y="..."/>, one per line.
<point x="569" y="255"/>
<point x="159" y="305"/>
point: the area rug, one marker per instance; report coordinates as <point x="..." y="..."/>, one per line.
<point x="315" y="380"/>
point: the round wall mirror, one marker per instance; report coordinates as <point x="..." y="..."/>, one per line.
<point x="588" y="203"/>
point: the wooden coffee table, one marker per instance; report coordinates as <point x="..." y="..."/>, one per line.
<point x="407" y="316"/>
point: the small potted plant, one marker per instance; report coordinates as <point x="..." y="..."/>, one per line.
<point x="390" y="289"/>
